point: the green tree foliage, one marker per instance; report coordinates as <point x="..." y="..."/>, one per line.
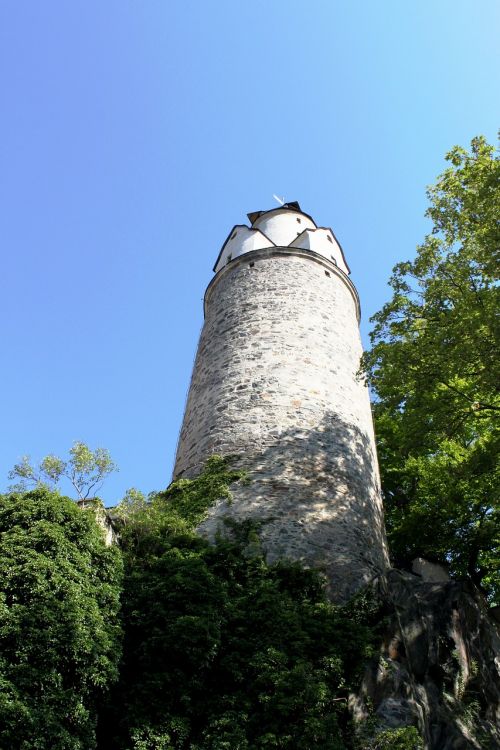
<point x="85" y="469"/>
<point x="404" y="738"/>
<point x="59" y="628"/>
<point x="434" y="368"/>
<point x="221" y="650"/>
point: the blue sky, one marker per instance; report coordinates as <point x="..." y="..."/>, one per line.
<point x="134" y="135"/>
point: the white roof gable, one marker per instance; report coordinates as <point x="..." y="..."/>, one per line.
<point x="241" y="240"/>
<point x="322" y="241"/>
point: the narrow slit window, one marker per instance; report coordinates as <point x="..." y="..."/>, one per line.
<point x="327" y="273"/>
<point x="228" y="258"/>
<point x="333" y="260"/>
<point x="329" y="239"/>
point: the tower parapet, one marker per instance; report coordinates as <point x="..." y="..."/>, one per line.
<point x="274" y="383"/>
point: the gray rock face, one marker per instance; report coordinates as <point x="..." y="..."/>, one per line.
<point x="274" y="383"/>
<point x="439" y="665"/>
<point x="103" y="518"/>
<point x="428" y="571"/>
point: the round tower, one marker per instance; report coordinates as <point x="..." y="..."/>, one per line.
<point x="274" y="384"/>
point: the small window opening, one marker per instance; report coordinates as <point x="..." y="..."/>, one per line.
<point x="251" y="264"/>
<point x="298" y="220"/>
<point x="234" y="235"/>
<point x="329" y="239"/>
<point x="327" y="273"/>
<point x="228" y="258"/>
<point x="333" y="260"/>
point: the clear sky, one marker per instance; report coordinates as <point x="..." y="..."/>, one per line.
<point x="134" y="135"/>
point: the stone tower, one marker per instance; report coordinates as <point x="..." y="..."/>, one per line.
<point x="274" y="383"/>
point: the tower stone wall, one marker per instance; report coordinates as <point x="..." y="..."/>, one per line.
<point x="274" y="384"/>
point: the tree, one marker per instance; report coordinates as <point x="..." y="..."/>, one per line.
<point x="434" y="371"/>
<point x="85" y="469"/>
<point x="59" y="625"/>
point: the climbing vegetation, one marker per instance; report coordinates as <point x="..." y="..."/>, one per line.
<point x="222" y="650"/>
<point x="213" y="647"/>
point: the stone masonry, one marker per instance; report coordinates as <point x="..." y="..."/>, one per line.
<point x="274" y="384"/>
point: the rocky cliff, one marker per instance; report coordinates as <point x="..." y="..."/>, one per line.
<point x="438" y="667"/>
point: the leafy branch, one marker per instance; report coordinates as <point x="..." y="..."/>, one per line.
<point x="85" y="469"/>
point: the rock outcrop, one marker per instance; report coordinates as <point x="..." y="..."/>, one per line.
<point x="439" y="665"/>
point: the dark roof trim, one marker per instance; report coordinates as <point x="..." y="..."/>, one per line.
<point x="291" y="206"/>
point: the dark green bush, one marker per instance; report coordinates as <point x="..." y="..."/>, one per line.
<point x="222" y="650"/>
<point x="59" y="631"/>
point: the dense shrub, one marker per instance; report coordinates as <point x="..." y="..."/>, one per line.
<point x="59" y="632"/>
<point x="222" y="650"/>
